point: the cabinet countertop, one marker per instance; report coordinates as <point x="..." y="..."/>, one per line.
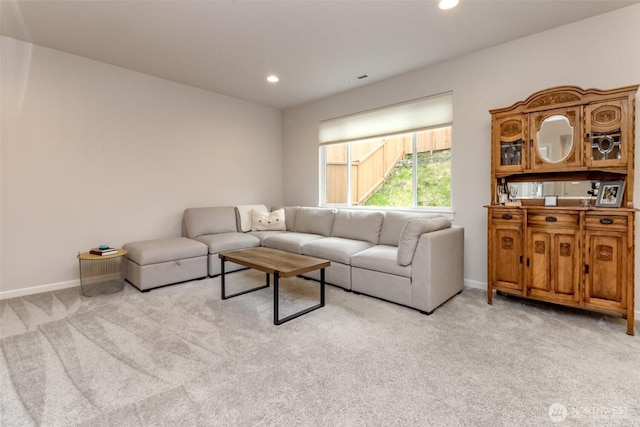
<point x="567" y="208"/>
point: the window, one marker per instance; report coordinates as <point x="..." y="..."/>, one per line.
<point x="398" y="156"/>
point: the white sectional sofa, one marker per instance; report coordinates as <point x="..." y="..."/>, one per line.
<point x="410" y="259"/>
<point x="363" y="247"/>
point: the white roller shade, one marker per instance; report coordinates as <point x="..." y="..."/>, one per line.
<point x="418" y="114"/>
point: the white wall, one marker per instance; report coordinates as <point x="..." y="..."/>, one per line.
<point x="92" y="154"/>
<point x="581" y="54"/>
<point x="162" y="147"/>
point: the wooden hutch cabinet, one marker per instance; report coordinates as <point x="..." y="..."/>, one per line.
<point x="561" y="222"/>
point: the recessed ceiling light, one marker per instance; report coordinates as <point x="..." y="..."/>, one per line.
<point x="447" y="4"/>
<point x="273" y="79"/>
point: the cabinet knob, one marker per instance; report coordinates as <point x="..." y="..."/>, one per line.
<point x="507" y="216"/>
<point x="606" y="221"/>
<point x="551" y="219"/>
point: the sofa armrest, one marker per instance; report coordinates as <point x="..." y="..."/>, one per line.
<point x="437" y="270"/>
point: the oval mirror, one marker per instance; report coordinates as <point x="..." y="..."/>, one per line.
<point x="555" y="138"/>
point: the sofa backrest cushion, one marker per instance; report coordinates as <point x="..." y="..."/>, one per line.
<point x="355" y="225"/>
<point x="290" y="216"/>
<point x="413" y="229"/>
<point x="244" y="215"/>
<point x="202" y="221"/>
<point x="314" y="220"/>
<point x="392" y="226"/>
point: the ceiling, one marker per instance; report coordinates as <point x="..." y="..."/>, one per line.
<point x="317" y="48"/>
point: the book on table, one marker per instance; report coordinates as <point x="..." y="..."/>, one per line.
<point x="103" y="252"/>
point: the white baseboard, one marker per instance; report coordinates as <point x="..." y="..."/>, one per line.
<point x="475" y="284"/>
<point x="38" y="289"/>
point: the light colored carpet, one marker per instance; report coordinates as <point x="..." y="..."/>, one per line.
<point x="180" y="356"/>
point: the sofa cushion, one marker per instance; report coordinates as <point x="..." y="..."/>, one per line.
<point x="268" y="221"/>
<point x="335" y="249"/>
<point x="263" y="234"/>
<point x="162" y="250"/>
<point x="290" y="241"/>
<point x="201" y="221"/>
<point x="358" y="225"/>
<point x="383" y="258"/>
<point x="245" y="215"/>
<point x="411" y="233"/>
<point x="392" y="226"/>
<point x="290" y="216"/>
<point x="223" y="242"/>
<point x="314" y="220"/>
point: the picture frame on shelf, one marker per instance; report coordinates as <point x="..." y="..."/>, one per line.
<point x="551" y="200"/>
<point x="610" y="194"/>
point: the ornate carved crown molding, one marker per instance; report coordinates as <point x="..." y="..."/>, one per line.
<point x="560" y="96"/>
<point x="553" y="98"/>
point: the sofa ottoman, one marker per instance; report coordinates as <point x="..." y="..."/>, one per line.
<point x="154" y="263"/>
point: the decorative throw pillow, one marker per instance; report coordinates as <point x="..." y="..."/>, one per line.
<point x="270" y="221"/>
<point x="245" y="211"/>
<point x="411" y="233"/>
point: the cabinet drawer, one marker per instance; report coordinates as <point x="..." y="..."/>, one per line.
<point x="607" y="222"/>
<point x="551" y="219"/>
<point x="506" y="215"/>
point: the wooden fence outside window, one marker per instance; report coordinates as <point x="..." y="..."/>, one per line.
<point x="372" y="161"/>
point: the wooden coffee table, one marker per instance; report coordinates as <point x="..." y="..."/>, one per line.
<point x="279" y="263"/>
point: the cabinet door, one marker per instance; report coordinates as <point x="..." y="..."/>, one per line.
<point x="606" y="265"/>
<point x="553" y="262"/>
<point x="509" y="143"/>
<point x="606" y="124"/>
<point x="555" y="139"/>
<point x="506" y="251"/>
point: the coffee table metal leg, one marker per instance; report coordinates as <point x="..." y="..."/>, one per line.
<point x="222" y="283"/>
<point x="276" y="308"/>
<point x="276" y="298"/>
<point x="322" y="287"/>
<point x="222" y="260"/>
